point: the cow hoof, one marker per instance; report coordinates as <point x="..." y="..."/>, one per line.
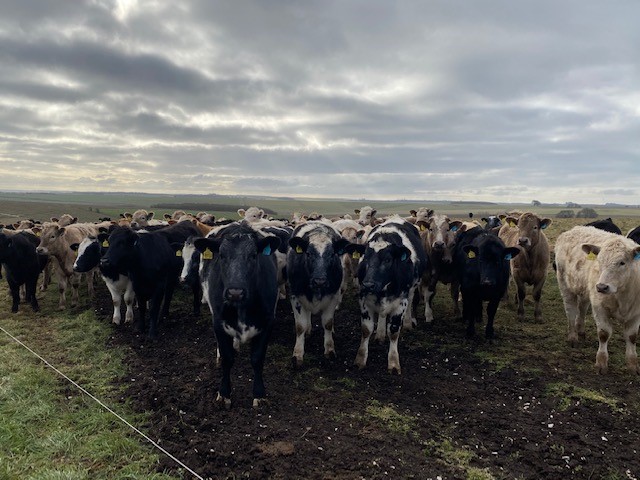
<point x="296" y="363"/>
<point x="359" y="363"/>
<point x="117" y="322"/>
<point x="223" y="402"/>
<point x="259" y="402"/>
<point x="573" y="342"/>
<point x="330" y="355"/>
<point x="394" y="369"/>
<point x="602" y="369"/>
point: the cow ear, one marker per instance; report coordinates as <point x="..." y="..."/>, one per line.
<point x="268" y="245"/>
<point x="511" y="252"/>
<point x="241" y="212"/>
<point x="403" y="253"/>
<point x="413" y="213"/>
<point x="202" y="244"/>
<point x="16" y="225"/>
<point x="128" y="215"/>
<point x="261" y="212"/>
<point x="298" y="244"/>
<point x="502" y="217"/>
<point x="149" y="215"/>
<point x="463" y="228"/>
<point x="592" y="251"/>
<point x="360" y="233"/>
<point x="340" y="246"/>
<point x="544" y="223"/>
<point x="61" y="230"/>
<point x="485" y="219"/>
<point x="636" y="253"/>
<point x="357" y="211"/>
<point x="74" y="246"/>
<point x="103" y="237"/>
<point x="455" y="225"/>
<point x="36" y="231"/>
<point x="511" y="221"/>
<point x="471" y="251"/>
<point x="74" y="220"/>
<point x="166" y="216"/>
<point x="54" y="219"/>
<point x="373" y="212"/>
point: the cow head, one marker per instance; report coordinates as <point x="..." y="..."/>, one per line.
<point x="121" y="244"/>
<point x="491" y="259"/>
<point x="141" y="218"/>
<point x="380" y="264"/>
<point x="251" y="214"/>
<point x="617" y="261"/>
<point x="366" y="215"/>
<point x="492" y="221"/>
<point x="50" y="238"/>
<point x="88" y="254"/>
<point x="530" y="228"/>
<point x="441" y="234"/>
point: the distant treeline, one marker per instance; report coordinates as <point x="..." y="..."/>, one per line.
<point x="206" y="207"/>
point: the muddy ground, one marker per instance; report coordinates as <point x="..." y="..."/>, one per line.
<point x="451" y="414"/>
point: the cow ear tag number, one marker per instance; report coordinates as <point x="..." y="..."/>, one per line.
<point x="591" y="256"/>
<point x="471" y="254"/>
<point x="105" y="243"/>
<point x="298" y="249"/>
<point x="178" y="253"/>
<point x="207" y="254"/>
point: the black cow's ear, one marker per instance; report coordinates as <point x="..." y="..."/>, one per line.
<point x="471" y="251"/>
<point x="204" y="244"/>
<point x="74" y="246"/>
<point x="355" y="250"/>
<point x="511" y="252"/>
<point x="340" y="245"/>
<point x="402" y="252"/>
<point x="268" y="245"/>
<point x="298" y="244"/>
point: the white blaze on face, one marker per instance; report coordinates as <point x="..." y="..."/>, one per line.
<point x="378" y="244"/>
<point x="187" y="257"/>
<point x="83" y="247"/>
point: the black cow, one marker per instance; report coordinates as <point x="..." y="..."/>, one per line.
<point x="634" y="235"/>
<point x="389" y="272"/>
<point x="239" y="276"/>
<point x="89" y="252"/>
<point x="606" y="224"/>
<point x="314" y="271"/>
<point x="152" y="265"/>
<point x="481" y="261"/>
<point x="22" y="265"/>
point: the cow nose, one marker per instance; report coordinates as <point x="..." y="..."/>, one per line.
<point x="523" y="241"/>
<point x="103" y="262"/>
<point x="368" y="286"/>
<point x="318" y="281"/>
<point x="602" y="288"/>
<point x="40" y="250"/>
<point x="486" y="282"/>
<point x="235" y="294"/>
<point x="438" y="245"/>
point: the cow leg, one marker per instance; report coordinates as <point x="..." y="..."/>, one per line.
<point x="492" y="308"/>
<point x="455" y="293"/>
<point x="196" y="288"/>
<point x="393" y="358"/>
<point x="520" y="299"/>
<point x="537" y="295"/>
<point x="169" y="287"/>
<point x="258" y="354"/>
<point x="15" y="296"/>
<point x="427" y="295"/>
<point x="366" y="326"/>
<point x="23" y="293"/>
<point x="90" y="284"/>
<point x="227" y="355"/>
<point x="303" y="325"/>
<point x="409" y="321"/>
<point x="328" y="316"/>
<point x="129" y="299"/>
<point x="114" y="291"/>
<point x="630" y="337"/>
<point x="46" y="275"/>
<point x="75" y="289"/>
<point x="583" y="307"/>
<point x="142" y="313"/>
<point x="154" y="311"/>
<point x="604" y="334"/>
<point x="62" y="288"/>
<point x="31" y="286"/>
<point x="469" y="307"/>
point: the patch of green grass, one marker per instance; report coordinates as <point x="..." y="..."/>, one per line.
<point x="49" y="429"/>
<point x="459" y="457"/>
<point x="568" y="394"/>
<point x="391" y="419"/>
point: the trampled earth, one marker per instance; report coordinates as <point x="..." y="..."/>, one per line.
<point x="457" y="410"/>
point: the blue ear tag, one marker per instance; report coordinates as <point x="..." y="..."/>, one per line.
<point x="267" y="250"/>
<point x="508" y="256"/>
<point x="543" y="226"/>
<point x="454" y="228"/>
<point x="636" y="256"/>
<point x="403" y="257"/>
<point x="340" y="252"/>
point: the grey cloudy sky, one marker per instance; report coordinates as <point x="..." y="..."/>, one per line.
<point x="491" y="100"/>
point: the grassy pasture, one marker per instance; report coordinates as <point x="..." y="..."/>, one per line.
<point x="48" y="430"/>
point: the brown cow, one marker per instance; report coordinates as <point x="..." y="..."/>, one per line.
<point x="530" y="266"/>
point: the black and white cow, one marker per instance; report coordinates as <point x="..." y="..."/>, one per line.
<point x="284" y="234"/>
<point x="492" y="223"/>
<point x="90" y="251"/>
<point x="314" y="271"/>
<point x="481" y="261"/>
<point x="240" y="279"/>
<point x="22" y="266"/>
<point x="151" y="264"/>
<point x="392" y="264"/>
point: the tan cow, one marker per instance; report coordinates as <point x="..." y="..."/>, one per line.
<point x="421" y="215"/>
<point x="251" y="214"/>
<point x="65" y="219"/>
<point x="366" y="216"/>
<point x="354" y="232"/>
<point x="56" y="242"/>
<point x="530" y="266"/>
<point x="600" y="269"/>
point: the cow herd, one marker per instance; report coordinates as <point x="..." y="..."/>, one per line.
<point x="240" y="269"/>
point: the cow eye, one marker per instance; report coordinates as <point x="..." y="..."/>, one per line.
<point x="621" y="264"/>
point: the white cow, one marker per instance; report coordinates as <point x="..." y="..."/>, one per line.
<point x="602" y="269"/>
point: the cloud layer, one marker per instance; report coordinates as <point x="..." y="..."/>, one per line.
<point x="496" y="100"/>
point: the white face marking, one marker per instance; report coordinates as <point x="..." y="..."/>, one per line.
<point x="388" y="227"/>
<point x="187" y="255"/>
<point x="378" y="244"/>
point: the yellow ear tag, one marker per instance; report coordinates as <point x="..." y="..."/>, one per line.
<point x="471" y="254"/>
<point x="355" y="255"/>
<point x="37" y="234"/>
<point x="512" y="224"/>
<point x="298" y="249"/>
<point x="179" y="253"/>
<point x="207" y="254"/>
<point x="105" y="243"/>
<point x="422" y="228"/>
<point x="591" y="256"/>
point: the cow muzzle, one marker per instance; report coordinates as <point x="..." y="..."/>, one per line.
<point x="318" y="282"/>
<point x="438" y="245"/>
<point x="524" y="242"/>
<point x="603" y="288"/>
<point x="42" y="251"/>
<point x="234" y="294"/>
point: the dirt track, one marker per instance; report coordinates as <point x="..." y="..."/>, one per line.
<point x="449" y="415"/>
